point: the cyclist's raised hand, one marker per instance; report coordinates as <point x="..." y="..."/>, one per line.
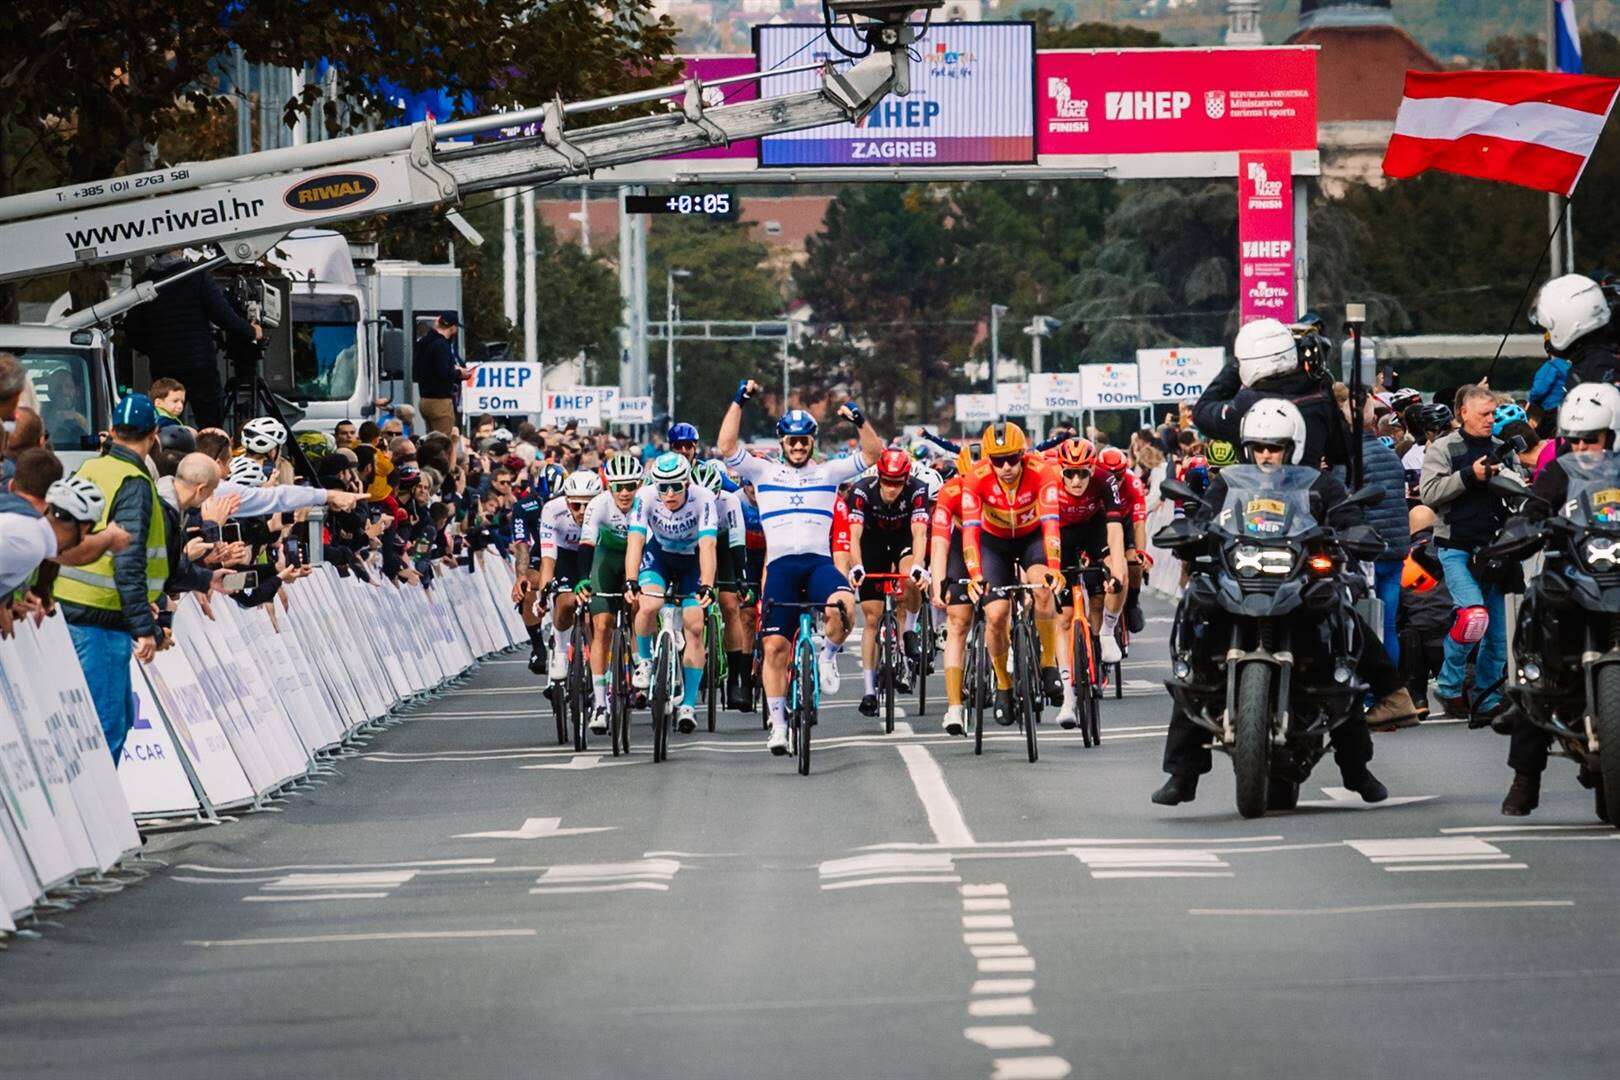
<point x="746" y="389"/>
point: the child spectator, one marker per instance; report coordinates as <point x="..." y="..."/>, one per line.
<point x="169" y="398"/>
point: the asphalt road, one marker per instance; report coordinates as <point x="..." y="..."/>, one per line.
<point x="467" y="899"/>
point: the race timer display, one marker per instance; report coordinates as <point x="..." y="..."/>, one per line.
<point x="709" y="202"/>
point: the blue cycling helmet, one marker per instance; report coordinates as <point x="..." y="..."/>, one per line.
<point x="796" y="422"/>
<point x="682" y="432"/>
<point x="552" y="477"/>
<point x="1505" y="414"/>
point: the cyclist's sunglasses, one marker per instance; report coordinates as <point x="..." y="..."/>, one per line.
<point x="1076" y="474"/>
<point x="625" y="485"/>
<point x="671" y="487"/>
<point x="1005" y="461"/>
<point x="797" y="441"/>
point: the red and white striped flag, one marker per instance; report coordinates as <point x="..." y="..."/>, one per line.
<point x="1532" y="128"/>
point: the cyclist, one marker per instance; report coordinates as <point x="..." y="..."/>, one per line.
<point x="561" y="563"/>
<point x="1010" y="515"/>
<point x="525" y="534"/>
<point x="602" y="546"/>
<point x="683" y="440"/>
<point x="671" y="539"/>
<point x="731" y="566"/>
<point x="888" y="534"/>
<point x="1091" y="521"/>
<point x="947" y="572"/>
<point x="1127" y="490"/>
<point x="796" y="502"/>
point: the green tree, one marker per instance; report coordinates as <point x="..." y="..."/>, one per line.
<point x="1056" y="30"/>
<point x="729" y="280"/>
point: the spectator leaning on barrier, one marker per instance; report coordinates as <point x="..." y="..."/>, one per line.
<point x="108" y="602"/>
<point x="1457" y="468"/>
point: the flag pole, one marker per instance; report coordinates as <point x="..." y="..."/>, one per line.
<point x="1535" y="271"/>
<point x="1563" y="245"/>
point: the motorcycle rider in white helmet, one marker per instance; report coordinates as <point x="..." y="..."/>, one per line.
<point x="1574" y="314"/>
<point x="1274" y="434"/>
<point x="1266" y="365"/>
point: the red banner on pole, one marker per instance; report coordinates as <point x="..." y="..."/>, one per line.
<point x="1265" y="236"/>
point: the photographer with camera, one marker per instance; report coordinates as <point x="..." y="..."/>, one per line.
<point x="1269" y="361"/>
<point x="1457" y="469"/>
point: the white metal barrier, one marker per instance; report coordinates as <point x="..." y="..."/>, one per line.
<point x="246" y="703"/>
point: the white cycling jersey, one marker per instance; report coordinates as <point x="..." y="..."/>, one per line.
<point x="558" y="529"/>
<point x="604" y="516"/>
<point x="729" y="516"/>
<point x="795" y="505"/>
<point x="676" y="531"/>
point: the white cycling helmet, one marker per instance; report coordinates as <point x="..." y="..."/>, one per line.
<point x="1263" y="348"/>
<point x="1590" y="408"/>
<point x="710" y="474"/>
<point x="584" y="484"/>
<point x="622" y="467"/>
<point x="670" y="468"/>
<point x="503" y="434"/>
<point x="1274" y="420"/>
<point x="263" y="435"/>
<point x="247" y="472"/>
<point x="76" y="498"/>
<point x="1569" y="308"/>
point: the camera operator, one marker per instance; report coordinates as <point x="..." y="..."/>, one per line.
<point x="1457" y="469"/>
<point x="1270" y="362"/>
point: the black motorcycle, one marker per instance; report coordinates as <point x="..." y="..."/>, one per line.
<point x="1264" y="640"/>
<point x="1566" y="641"/>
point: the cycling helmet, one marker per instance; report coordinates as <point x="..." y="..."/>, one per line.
<point x="76" y="498"/>
<point x="1588" y="409"/>
<point x="710" y="474"/>
<point x="682" y="433"/>
<point x="263" y="435"/>
<point x="584" y="484"/>
<point x="894" y="464"/>
<point x="1076" y="453"/>
<point x="1402" y="399"/>
<point x="177" y="437"/>
<point x="1275" y="420"/>
<point x="316" y="444"/>
<point x="1194" y="472"/>
<point x="969" y="456"/>
<point x="247" y="472"/>
<point x="1111" y="459"/>
<point x="1435" y="416"/>
<point x="1003" y="438"/>
<point x="921" y="449"/>
<point x="1263" y="348"/>
<point x="796" y="422"/>
<point x="1506" y="413"/>
<point x="929" y="476"/>
<point x="504" y="435"/>
<point x="670" y="468"/>
<point x="552" y="477"/>
<point x="1568" y="308"/>
<point x="621" y="468"/>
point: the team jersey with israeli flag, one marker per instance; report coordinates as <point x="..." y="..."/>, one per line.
<point x="795" y="505"/>
<point x="674" y="531"/>
<point x="558" y="529"/>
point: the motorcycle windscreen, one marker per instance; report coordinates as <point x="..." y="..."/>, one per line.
<point x="1594" y="490"/>
<point x="1268" y="503"/>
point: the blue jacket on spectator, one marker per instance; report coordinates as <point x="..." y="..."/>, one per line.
<point x="1547" y="388"/>
<point x="1381" y="469"/>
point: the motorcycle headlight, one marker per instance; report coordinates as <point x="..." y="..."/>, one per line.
<point x="1246" y="560"/>
<point x="1601" y="553"/>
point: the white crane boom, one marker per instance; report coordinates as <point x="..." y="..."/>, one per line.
<point x="246" y="204"/>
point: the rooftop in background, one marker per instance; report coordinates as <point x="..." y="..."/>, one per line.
<point x="1316" y="13"/>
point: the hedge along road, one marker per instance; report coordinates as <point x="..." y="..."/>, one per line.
<point x="468" y="899"/>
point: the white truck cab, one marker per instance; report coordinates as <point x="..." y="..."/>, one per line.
<point x="71" y="375"/>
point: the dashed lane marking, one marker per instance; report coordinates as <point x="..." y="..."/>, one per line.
<point x="1374" y="909"/>
<point x="339" y="939"/>
<point x="1434" y="854"/>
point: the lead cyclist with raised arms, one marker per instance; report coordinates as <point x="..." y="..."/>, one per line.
<point x="796" y="498"/>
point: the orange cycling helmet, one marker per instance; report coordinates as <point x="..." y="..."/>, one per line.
<point x="1003" y="439"/>
<point x="969" y="456"/>
<point x="1111" y="459"/>
<point x="1076" y="453"/>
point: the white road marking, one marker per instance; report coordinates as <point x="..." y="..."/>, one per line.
<point x="535" y="828"/>
<point x="1339" y="798"/>
<point x="1367" y="909"/>
<point x="622" y="886"/>
<point x="990" y="937"/>
<point x="329" y="866"/>
<point x="996" y="889"/>
<point x="981" y="951"/>
<point x="308" y="898"/>
<point x="1467" y="829"/>
<point x="1002" y="1006"/>
<point x="892" y="879"/>
<point x="374" y="879"/>
<point x="987" y="922"/>
<point x="1007" y="963"/>
<point x="1434" y="854"/>
<point x="568" y="873"/>
<point x="888" y="863"/>
<point x="580" y="762"/>
<point x="944" y="813"/>
<point x="1030" y="1068"/>
<point x="1105" y="875"/>
<point x="1118" y="863"/>
<point x="1008" y="1037"/>
<point x="333" y="939"/>
<point x="1069" y="842"/>
<point x="1460" y="866"/>
<point x="1003" y="986"/>
<point x="986" y="903"/>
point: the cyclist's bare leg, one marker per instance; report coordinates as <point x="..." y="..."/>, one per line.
<point x="996" y="619"/>
<point x="1045" y="616"/>
<point x="562" y="614"/>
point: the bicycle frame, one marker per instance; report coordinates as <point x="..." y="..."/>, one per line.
<point x="889" y="651"/>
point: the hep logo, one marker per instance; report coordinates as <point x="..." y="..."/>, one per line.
<point x="1067" y="105"/>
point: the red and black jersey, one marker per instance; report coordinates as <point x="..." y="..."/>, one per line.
<point x="868" y="509"/>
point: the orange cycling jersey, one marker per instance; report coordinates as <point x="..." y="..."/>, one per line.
<point x="988" y="507"/>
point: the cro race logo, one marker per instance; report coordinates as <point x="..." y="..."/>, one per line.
<point x="331" y="191"/>
<point x="948" y="63"/>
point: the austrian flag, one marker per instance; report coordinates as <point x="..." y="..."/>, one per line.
<point x="1532" y="128"/>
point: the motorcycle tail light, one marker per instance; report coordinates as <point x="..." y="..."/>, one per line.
<point x="1321" y="564"/>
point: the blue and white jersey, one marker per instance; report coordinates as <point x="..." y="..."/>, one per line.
<point x="676" y="531"/>
<point x="729" y="516"/>
<point x="795" y="505"/>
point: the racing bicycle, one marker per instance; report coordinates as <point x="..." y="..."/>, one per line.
<point x="804" y="687"/>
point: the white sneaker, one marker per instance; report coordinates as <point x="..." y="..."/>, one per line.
<point x="1108" y="650"/>
<point x="828" y="668"/>
<point x="641" y="678"/>
<point x="1065" y="717"/>
<point x="685" y="719"/>
<point x="558" y="666"/>
<point x="599" y="720"/>
<point x="953" y="720"/>
<point x="777" y="743"/>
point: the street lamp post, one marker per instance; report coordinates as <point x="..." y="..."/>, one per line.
<point x="996" y="312"/>
<point x="669" y="339"/>
<point x="1039" y="326"/>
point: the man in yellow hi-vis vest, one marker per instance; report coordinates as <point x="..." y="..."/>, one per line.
<point x="108" y="603"/>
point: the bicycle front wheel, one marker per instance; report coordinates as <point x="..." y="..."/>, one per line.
<point x="974" y="681"/>
<point x="1025" y="689"/>
<point x="807" y="704"/>
<point x="662" y="702"/>
<point x="889" y="661"/>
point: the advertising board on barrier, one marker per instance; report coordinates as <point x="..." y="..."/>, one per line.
<point x="503" y="388"/>
<point x="1108" y="386"/>
<point x="636" y="410"/>
<point x="971" y="100"/>
<point x="1154" y="101"/>
<point x="1054" y="392"/>
<point x="1177" y="374"/>
<point x="1265" y="238"/>
<point x="975" y="408"/>
<point x="572" y="404"/>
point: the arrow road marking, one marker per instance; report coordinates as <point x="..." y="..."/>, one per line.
<point x="535" y="828"/>
<point x="1339" y="798"/>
